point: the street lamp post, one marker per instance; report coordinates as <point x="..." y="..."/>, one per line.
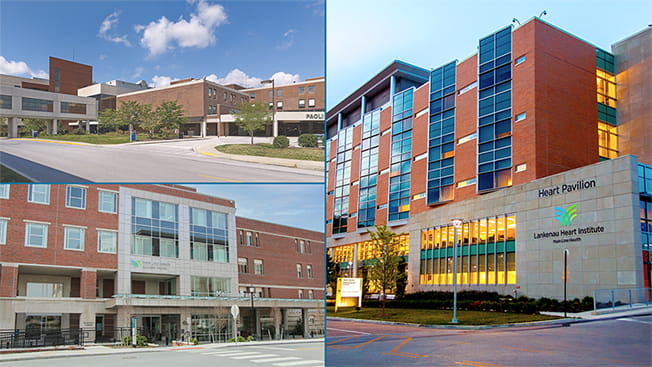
<point x="253" y="310"/>
<point x="274" y="125"/>
<point x="456" y="223"/>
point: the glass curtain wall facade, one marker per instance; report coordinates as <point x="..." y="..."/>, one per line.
<point x="441" y="142"/>
<point x="606" y="93"/>
<point x="155" y="228"/>
<point x="342" y="180"/>
<point x="494" y="111"/>
<point x="208" y="236"/>
<point x="368" y="169"/>
<point x="487" y="252"/>
<point x="401" y="155"/>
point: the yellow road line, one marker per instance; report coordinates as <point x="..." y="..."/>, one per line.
<point x="450" y="341"/>
<point x="52" y="141"/>
<point x="369" y="342"/>
<point x="479" y="364"/>
<point x="206" y="153"/>
<point x="220" y="178"/>
<point x="528" y="350"/>
<point x="341" y="340"/>
<point x="405" y="354"/>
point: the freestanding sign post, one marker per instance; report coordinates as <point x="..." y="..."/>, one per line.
<point x="348" y="288"/>
<point x="235" y="311"/>
<point x="134" y="332"/>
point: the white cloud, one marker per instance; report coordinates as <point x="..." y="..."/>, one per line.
<point x="138" y="72"/>
<point x="103" y="57"/>
<point x="199" y="32"/>
<point x="19" y="68"/>
<point x="161" y="81"/>
<point x="105" y="27"/>
<point x="288" y="40"/>
<point x="237" y="76"/>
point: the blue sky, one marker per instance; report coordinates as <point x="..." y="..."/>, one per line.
<point x="365" y="36"/>
<point x="159" y="41"/>
<point x="296" y="205"/>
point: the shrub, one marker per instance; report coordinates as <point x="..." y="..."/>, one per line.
<point x="308" y="141"/>
<point x="141" y="341"/>
<point x="194" y="341"/>
<point x="240" y="339"/>
<point x="281" y="141"/>
<point x="250" y="338"/>
<point x="79" y="131"/>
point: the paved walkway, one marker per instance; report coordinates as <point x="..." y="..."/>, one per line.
<point x="97" y="350"/>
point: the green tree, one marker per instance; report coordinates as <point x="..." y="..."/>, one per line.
<point x="134" y="113"/>
<point x="168" y="118"/>
<point x="332" y="272"/>
<point x="35" y="124"/>
<point x="383" y="271"/>
<point x="110" y="120"/>
<point x="252" y="116"/>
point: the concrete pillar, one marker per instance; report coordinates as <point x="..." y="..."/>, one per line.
<point x="88" y="126"/>
<point x="88" y="284"/>
<point x="55" y="127"/>
<point x="8" y="280"/>
<point x="12" y="127"/>
<point x="392" y="87"/>
<point x="304" y="321"/>
<point x="363" y="106"/>
<point x="87" y="322"/>
<point x="339" y="121"/>
<point x="284" y="321"/>
<point x="275" y="127"/>
<point x="257" y="331"/>
<point x="354" y="265"/>
<point x="278" y="319"/>
<point x="203" y="129"/>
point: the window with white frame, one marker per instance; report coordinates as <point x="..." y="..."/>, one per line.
<point x="243" y="265"/>
<point x="43" y="289"/>
<point x="3" y="231"/>
<point x="107" y="202"/>
<point x="39" y="193"/>
<point x="258" y="266"/>
<point x="299" y="271"/>
<point x="311" y="102"/>
<point x="310" y="294"/>
<point x="36" y="234"/>
<point x="279" y="105"/>
<point x="76" y="197"/>
<point x="300" y="293"/>
<point x="249" y="239"/>
<point x="309" y="271"/>
<point x="106" y="241"/>
<point x="4" y="191"/>
<point x="73" y="238"/>
<point x="302" y="103"/>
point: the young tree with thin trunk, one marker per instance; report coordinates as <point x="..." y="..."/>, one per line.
<point x="383" y="269"/>
<point x="252" y="116"/>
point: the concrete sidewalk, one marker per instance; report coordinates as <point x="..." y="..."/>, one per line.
<point x="207" y="147"/>
<point x="100" y="350"/>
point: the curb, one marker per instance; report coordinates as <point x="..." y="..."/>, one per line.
<point x="307" y="165"/>
<point x="465" y="327"/>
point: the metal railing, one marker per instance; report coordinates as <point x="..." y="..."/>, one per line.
<point x="624" y="298"/>
<point x="40" y="338"/>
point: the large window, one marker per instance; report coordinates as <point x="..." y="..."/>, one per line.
<point x="155" y="228"/>
<point x="39" y="193"/>
<point x="38" y="105"/>
<point x="607" y="140"/>
<point x="401" y="156"/>
<point x="494" y="111"/>
<point x="208" y="235"/>
<point x="299" y="271"/>
<point x="36" y="234"/>
<point x="342" y="180"/>
<point x="309" y="271"/>
<point x="76" y="197"/>
<point x="44" y="289"/>
<point x="75" y="108"/>
<point x="4" y="191"/>
<point x="107" y="202"/>
<point x="3" y="231"/>
<point x="258" y="266"/>
<point x="5" y="101"/>
<point x="106" y="241"/>
<point x="210" y="287"/>
<point x="74" y="238"/>
<point x="368" y="169"/>
<point x="243" y="265"/>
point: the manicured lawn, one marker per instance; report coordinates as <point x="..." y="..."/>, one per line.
<point x="109" y="138"/>
<point x="267" y="150"/>
<point x="436" y="317"/>
<point x="9" y="175"/>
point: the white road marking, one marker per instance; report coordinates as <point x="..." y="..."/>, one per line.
<point x="640" y="321"/>
<point x="256" y="356"/>
<point x="273" y="348"/>
<point x="279" y="359"/>
<point x="232" y="354"/>
<point x="349" y="331"/>
<point x="297" y="363"/>
<point x="220" y="352"/>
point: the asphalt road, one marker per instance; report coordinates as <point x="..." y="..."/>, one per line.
<point x="277" y="355"/>
<point x="161" y="162"/>
<point x="618" y="342"/>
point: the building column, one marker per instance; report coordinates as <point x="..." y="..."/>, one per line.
<point x="12" y="127"/>
<point x="257" y="331"/>
<point x="88" y="284"/>
<point x="284" y="322"/>
<point x="304" y="321"/>
<point x="354" y="265"/>
<point x="55" y="127"/>
<point x="392" y="87"/>
<point x="203" y="129"/>
<point x="8" y="280"/>
<point x="87" y="323"/>
<point x="278" y="319"/>
<point x="88" y="126"/>
<point x="339" y="121"/>
<point x="363" y="106"/>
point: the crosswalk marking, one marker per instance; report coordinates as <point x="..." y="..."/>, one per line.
<point x="256" y="356"/>
<point x="296" y="363"/>
<point x="233" y="354"/>
<point x="279" y="359"/>
<point x="220" y="352"/>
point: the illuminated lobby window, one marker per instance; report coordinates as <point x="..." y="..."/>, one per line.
<point x="486" y="252"/>
<point x="607" y="140"/>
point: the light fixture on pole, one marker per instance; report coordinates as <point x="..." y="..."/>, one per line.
<point x="456" y="223"/>
<point x="274" y="125"/>
<point x="253" y="310"/>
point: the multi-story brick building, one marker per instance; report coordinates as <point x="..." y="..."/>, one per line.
<point x="528" y="126"/>
<point x="96" y="256"/>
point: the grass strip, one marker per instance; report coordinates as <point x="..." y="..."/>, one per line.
<point x="268" y="150"/>
<point x="9" y="175"/>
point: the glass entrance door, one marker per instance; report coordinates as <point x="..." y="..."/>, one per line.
<point x="152" y="328"/>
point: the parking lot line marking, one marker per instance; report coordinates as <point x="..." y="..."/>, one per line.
<point x="529" y="350"/>
<point x="402" y="355"/>
<point x="256" y="356"/>
<point x="297" y="363"/>
<point x="479" y="364"/>
<point x="369" y="342"/>
<point x="405" y="354"/>
<point x="278" y="359"/>
<point x="220" y="178"/>
<point x="618" y="361"/>
<point x="450" y="341"/>
<point x="341" y="340"/>
<point x="349" y="331"/>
